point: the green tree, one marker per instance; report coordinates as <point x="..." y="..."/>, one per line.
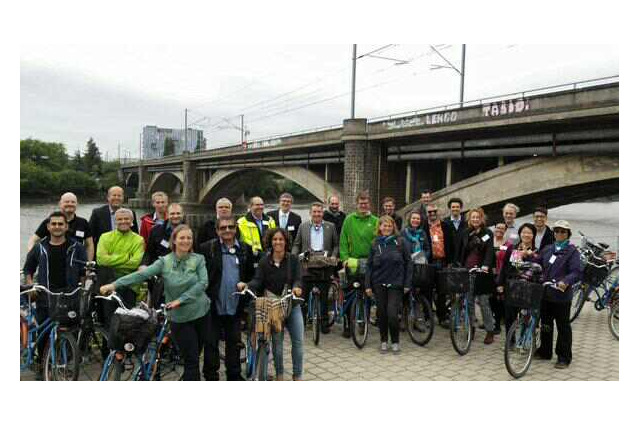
<point x="92" y="159"/>
<point x="169" y="146"/>
<point x="51" y="156"/>
<point x="77" y="163"/>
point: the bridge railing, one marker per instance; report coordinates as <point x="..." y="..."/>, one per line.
<point x="482" y="101"/>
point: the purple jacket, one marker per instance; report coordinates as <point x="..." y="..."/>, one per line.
<point x="565" y="268"/>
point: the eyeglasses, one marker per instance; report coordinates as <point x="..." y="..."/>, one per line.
<point x="432" y="211"/>
<point x="227" y="228"/>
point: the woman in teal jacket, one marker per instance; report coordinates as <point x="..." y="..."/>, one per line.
<point x="185" y="281"/>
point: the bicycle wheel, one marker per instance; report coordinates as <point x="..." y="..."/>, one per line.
<point x="614" y="316"/>
<point x="24" y="344"/>
<point x="316" y="320"/>
<point x="359" y="321"/>
<point x="520" y="346"/>
<point x="168" y="366"/>
<point x="332" y="304"/>
<point x="579" y="298"/>
<point x="61" y="359"/>
<point x="114" y="368"/>
<point x="261" y="367"/>
<point x="419" y="319"/>
<point x="92" y="346"/>
<point x="460" y="325"/>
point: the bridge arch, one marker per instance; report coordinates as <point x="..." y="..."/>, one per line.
<point x="169" y="182"/>
<point x="300" y="175"/>
<point x="550" y="181"/>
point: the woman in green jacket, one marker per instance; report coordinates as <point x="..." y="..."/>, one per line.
<point x="185" y="281"/>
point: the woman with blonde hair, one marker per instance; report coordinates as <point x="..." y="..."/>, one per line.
<point x="185" y="280"/>
<point x="477" y="251"/>
<point x="389" y="273"/>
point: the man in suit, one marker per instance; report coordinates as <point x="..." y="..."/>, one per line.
<point x="207" y="231"/>
<point x="456" y="224"/>
<point x="285" y="218"/>
<point x="103" y="219"/>
<point x="317" y="235"/>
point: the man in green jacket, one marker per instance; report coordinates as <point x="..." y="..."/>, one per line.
<point x="122" y="251"/>
<point x="356" y="238"/>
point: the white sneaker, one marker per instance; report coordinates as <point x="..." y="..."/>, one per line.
<point x="395" y="348"/>
<point x="384" y="347"/>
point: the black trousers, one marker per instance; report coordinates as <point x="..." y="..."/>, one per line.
<point x="192" y="337"/>
<point x="230" y="325"/>
<point x="497" y="307"/>
<point x="440" y="294"/>
<point x="560" y="313"/>
<point x="388" y="305"/>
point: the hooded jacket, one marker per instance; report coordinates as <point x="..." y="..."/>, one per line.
<point x="358" y="232"/>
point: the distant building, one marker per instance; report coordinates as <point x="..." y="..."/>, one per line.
<point x="153" y="141"/>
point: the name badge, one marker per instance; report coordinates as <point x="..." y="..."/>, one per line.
<point x="164" y="243"/>
<point x="265" y="222"/>
<point x="485" y="238"/>
<point x="290" y="228"/>
<point x="435" y="238"/>
<point x="237" y="261"/>
<point x="255" y="265"/>
<point x="552" y="259"/>
<point x="503" y="248"/>
<point x="80" y="234"/>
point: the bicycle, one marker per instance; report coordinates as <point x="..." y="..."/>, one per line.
<point x="523" y="337"/>
<point x="259" y="347"/>
<point x="357" y="304"/>
<point x="614" y="311"/>
<point x="600" y="272"/>
<point x="60" y="357"/>
<point x="460" y="284"/>
<point x="138" y="360"/>
<point x="91" y="336"/>
<point x="418" y="317"/>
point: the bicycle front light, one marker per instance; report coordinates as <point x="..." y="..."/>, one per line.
<point x="356" y="284"/>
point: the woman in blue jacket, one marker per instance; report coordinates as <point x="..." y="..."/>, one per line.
<point x="560" y="263"/>
<point x="389" y="273"/>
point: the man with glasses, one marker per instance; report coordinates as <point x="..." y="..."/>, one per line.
<point x="229" y="261"/>
<point x="509" y="213"/>
<point x="544" y="235"/>
<point x="425" y="199"/>
<point x="254" y="225"/>
<point x="358" y="232"/>
<point x="285" y="218"/>
<point x="441" y="244"/>
<point x="52" y="257"/>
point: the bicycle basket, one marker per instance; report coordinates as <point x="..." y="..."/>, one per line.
<point x="453" y="280"/>
<point x="318" y="267"/>
<point x="594" y="274"/>
<point x="523" y="294"/>
<point x="136" y="327"/>
<point x="422" y="274"/>
<point x="64" y="309"/>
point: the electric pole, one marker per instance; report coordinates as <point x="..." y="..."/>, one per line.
<point x="242" y="129"/>
<point x="464" y="50"/>
<point x="353" y="83"/>
<point x="185" y="130"/>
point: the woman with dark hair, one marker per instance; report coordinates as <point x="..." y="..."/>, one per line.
<point x="477" y="251"/>
<point x="389" y="273"/>
<point x="524" y="251"/>
<point x="416" y="238"/>
<point x="499" y="248"/>
<point x="185" y="281"/>
<point x="277" y="273"/>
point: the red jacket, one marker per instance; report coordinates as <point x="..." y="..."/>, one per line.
<point x="146" y="223"/>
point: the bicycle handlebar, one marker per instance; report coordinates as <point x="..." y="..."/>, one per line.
<point x="252" y="294"/>
<point x="38" y="287"/>
<point x="476" y="269"/>
<point x="114" y="296"/>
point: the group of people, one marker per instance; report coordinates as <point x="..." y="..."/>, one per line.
<point x="198" y="274"/>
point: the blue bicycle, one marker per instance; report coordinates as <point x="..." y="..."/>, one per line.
<point x="60" y="358"/>
<point x="143" y="360"/>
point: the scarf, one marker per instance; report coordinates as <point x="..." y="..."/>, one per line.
<point x="385" y="241"/>
<point x="562" y="245"/>
<point x="416" y="237"/>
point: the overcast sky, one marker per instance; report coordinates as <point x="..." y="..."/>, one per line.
<point x="71" y="93"/>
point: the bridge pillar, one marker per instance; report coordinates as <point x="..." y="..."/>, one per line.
<point x="449" y="175"/>
<point x="190" y="188"/>
<point x="362" y="168"/>
<point x="144" y="180"/>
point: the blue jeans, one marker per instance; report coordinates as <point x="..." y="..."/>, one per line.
<point x="295" y="326"/>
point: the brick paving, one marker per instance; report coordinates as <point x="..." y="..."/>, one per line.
<point x="595" y="357"/>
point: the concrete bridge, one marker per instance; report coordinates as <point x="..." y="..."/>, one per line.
<point x="559" y="143"/>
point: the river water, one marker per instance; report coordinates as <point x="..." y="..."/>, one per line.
<point x="598" y="220"/>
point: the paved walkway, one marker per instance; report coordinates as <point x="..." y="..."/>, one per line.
<point x="595" y="357"/>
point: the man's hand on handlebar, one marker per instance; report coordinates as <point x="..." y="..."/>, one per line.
<point x="297" y="292"/>
<point x="369" y="292"/>
<point x="241" y="286"/>
<point x="107" y="289"/>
